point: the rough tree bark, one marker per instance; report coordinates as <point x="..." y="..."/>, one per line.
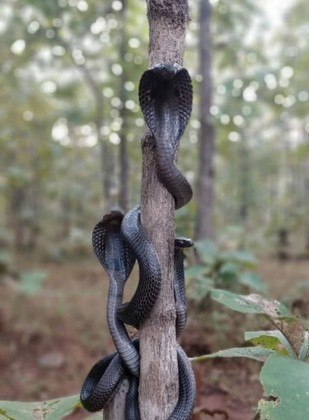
<point x="123" y="149"/>
<point x="158" y="387"/>
<point x="158" y="390"/>
<point x="115" y="409"/>
<point x="204" y="228"/>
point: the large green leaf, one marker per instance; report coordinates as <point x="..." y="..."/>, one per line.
<point x="50" y="410"/>
<point x="250" y="304"/>
<point x="257" y="353"/>
<point x="286" y="385"/>
<point x="273" y="340"/>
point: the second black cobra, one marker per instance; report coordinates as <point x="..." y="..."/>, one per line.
<point x="118" y="241"/>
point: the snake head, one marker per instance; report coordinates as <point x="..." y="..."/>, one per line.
<point x="165" y="95"/>
<point x="110" y="246"/>
<point x="112" y="221"/>
<point x="183" y="242"/>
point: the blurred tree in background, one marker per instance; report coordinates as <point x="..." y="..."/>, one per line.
<point x="71" y="124"/>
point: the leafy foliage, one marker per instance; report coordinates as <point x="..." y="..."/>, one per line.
<point x="61" y="64"/>
<point x="226" y="270"/>
<point x="284" y="352"/>
<point x="50" y="410"/>
<point x="256" y="353"/>
<point x="253" y="303"/>
<point x="284" y="399"/>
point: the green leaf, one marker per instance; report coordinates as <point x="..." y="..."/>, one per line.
<point x="304" y="350"/>
<point x="50" y="410"/>
<point x="31" y="282"/>
<point x="253" y="280"/>
<point x="250" y="304"/>
<point x="273" y="340"/>
<point x="293" y="329"/>
<point x="256" y="353"/>
<point x="286" y="385"/>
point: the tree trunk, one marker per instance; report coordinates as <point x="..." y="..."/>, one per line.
<point x="115" y="410"/>
<point x="123" y="150"/>
<point x="204" y="228"/>
<point x="158" y="387"/>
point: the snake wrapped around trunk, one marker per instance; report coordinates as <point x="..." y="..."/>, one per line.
<point x="119" y="240"/>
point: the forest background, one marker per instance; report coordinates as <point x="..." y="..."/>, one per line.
<point x="70" y="149"/>
<point x="71" y="122"/>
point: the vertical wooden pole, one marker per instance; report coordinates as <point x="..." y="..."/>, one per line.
<point x="158" y="387"/>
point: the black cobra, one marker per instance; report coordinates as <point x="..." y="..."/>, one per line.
<point x="165" y="94"/>
<point x="166" y="101"/>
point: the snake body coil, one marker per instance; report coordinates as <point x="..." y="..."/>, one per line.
<point x="166" y="101"/>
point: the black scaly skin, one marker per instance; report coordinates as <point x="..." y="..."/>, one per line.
<point x="179" y="283"/>
<point x="118" y="260"/>
<point x="139" y="308"/>
<point x="131" y="407"/>
<point x="187" y="388"/>
<point x="105" y="377"/>
<point x="165" y="95"/>
<point x="102" y="382"/>
<point x="166" y="100"/>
